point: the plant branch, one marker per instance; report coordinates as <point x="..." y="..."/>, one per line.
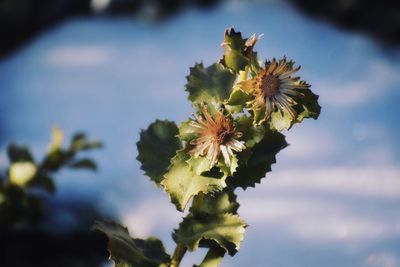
<point x="179" y="252"/>
<point x="213" y="257"/>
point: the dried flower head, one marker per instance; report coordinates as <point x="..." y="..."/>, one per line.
<point x="274" y="88"/>
<point x="215" y="136"/>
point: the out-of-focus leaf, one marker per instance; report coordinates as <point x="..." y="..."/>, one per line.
<point x="260" y="161"/>
<point x="19" y="153"/>
<point x="57" y="138"/>
<point x="83" y="164"/>
<point x="132" y="252"/>
<point x="80" y="142"/>
<point x="227" y="230"/>
<point x="56" y="159"/>
<point x="21" y="173"/>
<point x="44" y="181"/>
<point x="156" y="147"/>
<point x="207" y="85"/>
<point x="182" y="184"/>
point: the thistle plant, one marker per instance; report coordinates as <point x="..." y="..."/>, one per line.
<point x="241" y="106"/>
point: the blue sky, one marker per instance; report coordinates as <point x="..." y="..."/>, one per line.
<point x="332" y="196"/>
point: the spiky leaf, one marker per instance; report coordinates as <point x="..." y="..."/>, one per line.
<point x="214" y="204"/>
<point x="237" y="101"/>
<point x="260" y="161"/>
<point x="181" y="183"/>
<point x="227" y="230"/>
<point x="234" y="46"/>
<point x="131" y="252"/>
<point x="281" y="120"/>
<point x="83" y="164"/>
<point x="308" y="107"/>
<point x="156" y="147"/>
<point x="238" y="51"/>
<point x="251" y="134"/>
<point x="209" y="85"/>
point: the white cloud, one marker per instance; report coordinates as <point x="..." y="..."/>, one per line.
<point x="310" y="143"/>
<point x="376" y="81"/>
<point x="318" y="205"/>
<point x="76" y="56"/>
<point x="295" y="201"/>
<point x="382" y="259"/>
<point x="152" y="213"/>
<point x="366" y="180"/>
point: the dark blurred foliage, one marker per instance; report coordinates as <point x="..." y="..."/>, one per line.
<point x="42" y="245"/>
<point x="20" y="20"/>
<point x="36" y="229"/>
<point x="377" y="18"/>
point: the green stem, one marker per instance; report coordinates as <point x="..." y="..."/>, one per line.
<point x="213" y="257"/>
<point x="243" y="74"/>
<point x="179" y="252"/>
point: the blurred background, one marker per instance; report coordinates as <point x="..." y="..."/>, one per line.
<point x="111" y="67"/>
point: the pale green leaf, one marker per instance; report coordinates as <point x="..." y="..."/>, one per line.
<point x="237" y="101"/>
<point x="281" y="120"/>
<point x="181" y="183"/>
<point x="227" y="230"/>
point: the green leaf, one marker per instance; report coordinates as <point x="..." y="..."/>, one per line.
<point x="210" y="84"/>
<point x="238" y="52"/>
<point x="213" y="257"/>
<point x="131" y="252"/>
<point x="234" y="46"/>
<point x="214" y="204"/>
<point x="260" y="161"/>
<point x="187" y="132"/>
<point x="199" y="165"/>
<point x="308" y="106"/>
<point x="156" y="147"/>
<point x="251" y="134"/>
<point x="83" y="164"/>
<point x="237" y="101"/>
<point x="281" y="120"/>
<point x="19" y="153"/>
<point x="182" y="184"/>
<point x="227" y="230"/>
